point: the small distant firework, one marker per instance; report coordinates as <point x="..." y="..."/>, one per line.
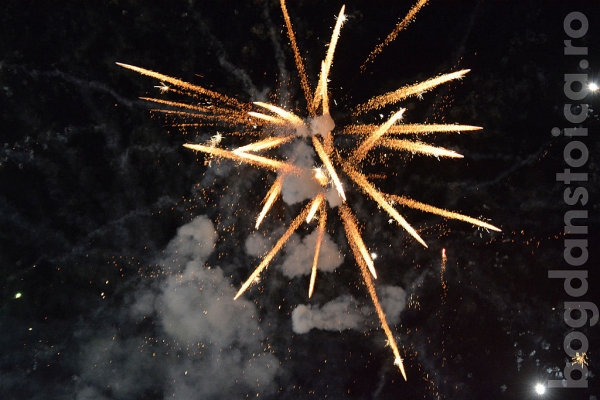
<point x="580" y="359"/>
<point x="267" y="126"/>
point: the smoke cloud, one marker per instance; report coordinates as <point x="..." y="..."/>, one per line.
<point x="345" y="312"/>
<point x="336" y="315"/>
<point x="300" y="254"/>
<point x="205" y="345"/>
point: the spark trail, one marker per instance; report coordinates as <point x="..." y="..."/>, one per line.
<point x="276" y="126"/>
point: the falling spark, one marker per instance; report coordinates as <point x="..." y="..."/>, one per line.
<point x="442" y="278"/>
<point x="212" y="108"/>
<point x="443" y="298"/>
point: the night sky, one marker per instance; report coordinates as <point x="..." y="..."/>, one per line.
<point x="121" y="250"/>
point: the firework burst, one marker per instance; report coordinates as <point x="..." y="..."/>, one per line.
<point x="264" y="126"/>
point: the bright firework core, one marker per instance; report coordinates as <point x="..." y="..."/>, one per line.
<point x="312" y="173"/>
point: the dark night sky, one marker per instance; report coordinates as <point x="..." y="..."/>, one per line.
<point x="120" y="250"/>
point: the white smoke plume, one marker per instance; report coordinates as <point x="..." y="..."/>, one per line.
<point x="297" y="188"/>
<point x="345" y="312"/>
<point x="206" y="345"/>
<point x="337" y="315"/>
<point x="300" y="253"/>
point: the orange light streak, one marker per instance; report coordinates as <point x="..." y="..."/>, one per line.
<point x="264" y="144"/>
<point x="326" y="65"/>
<point x="269" y="118"/>
<point x="185" y="85"/>
<point x="350" y="225"/>
<point x="376" y="195"/>
<point x="355" y="239"/>
<point x="321" y="233"/>
<point x="315" y="206"/>
<point x="286" y="115"/>
<point x="244" y="157"/>
<point x="329" y="166"/>
<point x="419" y="147"/>
<point x="363" y="149"/>
<point x="209" y="109"/>
<point x="269" y="199"/>
<point x="407" y="91"/>
<point x="399" y="27"/>
<point x="409" y="129"/>
<point x="405" y="201"/>
<point x="324" y="96"/>
<point x="298" y="59"/>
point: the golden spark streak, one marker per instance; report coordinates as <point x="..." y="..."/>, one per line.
<point x="244" y="157"/>
<point x="328" y="143"/>
<point x="270" y="118"/>
<point x="418" y="147"/>
<point x="298" y="59"/>
<point x="315" y="206"/>
<point x="350" y="226"/>
<point x="269" y="200"/>
<point x="321" y="230"/>
<point x="324" y="96"/>
<point x="282" y="240"/>
<point x="440" y="211"/>
<point x="288" y="116"/>
<point x="327" y="162"/>
<point x="355" y="239"/>
<point x="326" y="65"/>
<point x="409" y="129"/>
<point x="188" y="86"/>
<point x="361" y="152"/>
<point x="379" y="197"/>
<point x="407" y="91"/>
<point x="399" y="27"/>
<point x="264" y="144"/>
<point x="211" y="109"/>
<point x="223" y="119"/>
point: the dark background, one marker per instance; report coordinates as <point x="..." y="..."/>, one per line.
<point x="92" y="190"/>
